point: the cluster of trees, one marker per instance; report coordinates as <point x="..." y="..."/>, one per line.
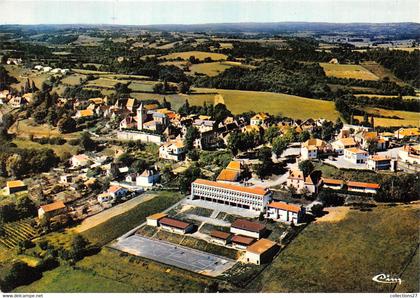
<point x="18" y="162"/>
<point x="186" y="178"/>
<point x="399" y="188"/>
<point x="5" y="79"/>
<point x="243" y="141"/>
<point x="22" y="207"/>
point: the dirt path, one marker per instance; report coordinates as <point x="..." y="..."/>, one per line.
<point x="99" y="218"/>
<point x="335" y="214"/>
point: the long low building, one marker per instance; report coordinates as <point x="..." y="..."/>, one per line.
<point x="175" y="226"/>
<point x="253" y="198"/>
<point x="248" y="228"/>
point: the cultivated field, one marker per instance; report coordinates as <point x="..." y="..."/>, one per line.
<point x="213" y="68"/>
<point x="287" y="105"/>
<point x="380" y="71"/>
<point x="343" y="256"/>
<point x="405" y="118"/>
<point x="197" y="54"/>
<point x="16" y="232"/>
<point x="22" y="74"/>
<point x="348" y="71"/>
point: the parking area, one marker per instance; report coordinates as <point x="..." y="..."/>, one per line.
<point x="175" y="255"/>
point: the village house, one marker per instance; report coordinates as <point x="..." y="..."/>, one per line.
<point x="50" y="210"/>
<point x="80" y="160"/>
<point x="343" y="143"/>
<point x="173" y="150"/>
<point x="303" y="184"/>
<point x="176" y="226"/>
<point x="259" y="119"/>
<point x="364" y="138"/>
<point x="104" y="197"/>
<point x="260" y="252"/>
<point x="363" y="187"/>
<point x="252" y="198"/>
<point x="221" y="238"/>
<point x="248" y="228"/>
<point x="412" y="133"/>
<point x="379" y="162"/>
<point x="410" y="154"/>
<point x="148" y="178"/>
<point x="84" y="113"/>
<point x="117" y="192"/>
<point x="355" y="155"/>
<point x="15" y="186"/>
<point x="241" y="242"/>
<point x="311" y="148"/>
<point x="285" y="212"/>
<point x="17" y="102"/>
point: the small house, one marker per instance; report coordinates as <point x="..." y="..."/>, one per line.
<point x="260" y="252"/>
<point x="220" y="237"/>
<point x="15" y="186"/>
<point x="51" y="210"/>
<point x="175" y="225"/>
<point x="242" y="242"/>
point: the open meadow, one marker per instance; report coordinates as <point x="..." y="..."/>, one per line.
<point x="344" y="255"/>
<point x="214" y="68"/>
<point x="197" y="54"/>
<point x="348" y="71"/>
<point x="402" y="118"/>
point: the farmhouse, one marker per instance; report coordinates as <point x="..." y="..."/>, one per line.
<point x="285" y="212"/>
<point x="220" y="237"/>
<point x="51" y="210"/>
<point x="153" y="220"/>
<point x="355" y="155"/>
<point x="242" y="242"/>
<point x="252" y="198"/>
<point x="175" y="225"/>
<point x="260" y="252"/>
<point x="378" y="162"/>
<point x="247" y="228"/>
<point x="116" y="191"/>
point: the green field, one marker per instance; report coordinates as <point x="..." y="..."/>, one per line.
<point x="58" y="149"/>
<point x="348" y="71"/>
<point x="197" y="54"/>
<point x="22" y="74"/>
<point x="120" y="224"/>
<point x="213" y="68"/>
<point x="344" y="255"/>
<point x="112" y="271"/>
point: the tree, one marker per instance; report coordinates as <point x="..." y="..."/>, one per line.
<point x="193" y="155"/>
<point x="304" y="136"/>
<point x="184" y="87"/>
<point x="265" y="167"/>
<point x="139" y="165"/>
<point x="19" y="273"/>
<point x="271" y="133"/>
<point x="220" y="112"/>
<point x="192" y="173"/>
<point x="185" y="108"/>
<point x="15" y="165"/>
<point x="306" y="167"/>
<point x="329" y="198"/>
<point x="66" y="125"/>
<point x="86" y="142"/>
<point x="372" y="145"/>
<point x="166" y="104"/>
<point x="279" y="145"/>
<point x="190" y="136"/>
<point x="79" y="247"/>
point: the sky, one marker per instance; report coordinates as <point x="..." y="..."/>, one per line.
<point x="125" y="12"/>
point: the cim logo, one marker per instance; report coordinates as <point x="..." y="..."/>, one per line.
<point x="387" y="278"/>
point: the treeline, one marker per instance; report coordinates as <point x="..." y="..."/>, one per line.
<point x="18" y="162"/>
<point x="5" y="79"/>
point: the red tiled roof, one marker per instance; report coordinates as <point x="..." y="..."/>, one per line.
<point x="363" y="184"/>
<point x="166" y="221"/>
<point x="284" y="206"/>
<point x="248" y="225"/>
<point x="252" y="190"/>
<point x="242" y="240"/>
<point x="220" y="234"/>
<point x="332" y="181"/>
<point x="53" y="206"/>
<point x="261" y="246"/>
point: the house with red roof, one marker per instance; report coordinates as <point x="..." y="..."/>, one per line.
<point x="283" y="211"/>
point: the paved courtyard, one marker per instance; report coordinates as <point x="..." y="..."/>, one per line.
<point x="222" y="208"/>
<point x="175" y="255"/>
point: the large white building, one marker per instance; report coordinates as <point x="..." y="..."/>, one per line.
<point x="410" y="154"/>
<point x="253" y="198"/>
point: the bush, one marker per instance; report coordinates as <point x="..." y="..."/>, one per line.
<point x="18" y="274"/>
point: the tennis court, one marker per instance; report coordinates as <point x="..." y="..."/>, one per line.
<point x="175" y="255"/>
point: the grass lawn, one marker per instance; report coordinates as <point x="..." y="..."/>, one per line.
<point x="142" y="86"/>
<point x="197" y="54"/>
<point x="73" y="79"/>
<point x="27" y="127"/>
<point x="343" y="256"/>
<point x="349" y="71"/>
<point x="112" y="271"/>
<point x="288" y="105"/>
<point x="380" y="71"/>
<point x="120" y="224"/>
<point x="22" y="74"/>
<point x="406" y="118"/>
